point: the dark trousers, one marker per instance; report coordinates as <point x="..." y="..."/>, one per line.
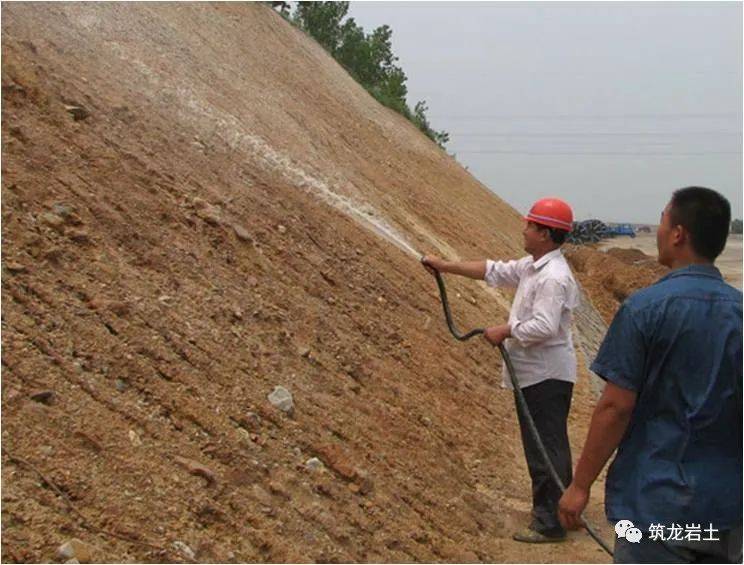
<point x="548" y="402"/>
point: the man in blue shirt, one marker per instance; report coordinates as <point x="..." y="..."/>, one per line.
<point x="672" y="404"/>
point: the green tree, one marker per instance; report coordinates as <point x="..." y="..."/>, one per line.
<point x="369" y="58"/>
<point x="322" y="20"/>
<point x="353" y="52"/>
<point x="736" y="226"/>
<point x="422" y="122"/>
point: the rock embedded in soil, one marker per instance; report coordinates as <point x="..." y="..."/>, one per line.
<point x="198" y="469"/>
<point x="314" y="464"/>
<point x="43" y="397"/>
<point x="78" y="113"/>
<point x="75" y="549"/>
<point x="281" y="398"/>
<point x="184" y="549"/>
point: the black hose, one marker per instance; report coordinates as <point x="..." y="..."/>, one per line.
<point x="518" y="394"/>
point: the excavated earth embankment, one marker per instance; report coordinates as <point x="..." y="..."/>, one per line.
<point x="200" y="205"/>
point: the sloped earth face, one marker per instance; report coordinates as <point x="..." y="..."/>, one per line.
<point x="160" y="281"/>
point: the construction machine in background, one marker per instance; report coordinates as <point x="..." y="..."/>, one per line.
<point x="593" y="231"/>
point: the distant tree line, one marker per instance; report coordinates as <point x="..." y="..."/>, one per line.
<point x="736" y="226"/>
<point x="368" y="57"/>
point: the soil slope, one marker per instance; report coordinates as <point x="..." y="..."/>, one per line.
<point x="194" y="203"/>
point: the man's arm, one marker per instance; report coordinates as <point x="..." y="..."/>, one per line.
<point x="609" y="423"/>
<point x="494" y="273"/>
<point x="471" y="269"/>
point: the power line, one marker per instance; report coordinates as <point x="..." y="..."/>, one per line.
<point x="583" y="116"/>
<point x="549" y="153"/>
<point x="595" y="134"/>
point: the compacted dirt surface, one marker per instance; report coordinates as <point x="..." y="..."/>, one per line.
<point x="199" y="205"/>
<point x="729" y="262"/>
<point x="609" y="276"/>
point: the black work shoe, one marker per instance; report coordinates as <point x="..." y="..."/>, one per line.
<point x="531" y="536"/>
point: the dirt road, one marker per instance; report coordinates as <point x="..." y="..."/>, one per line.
<point x="729" y="262"/>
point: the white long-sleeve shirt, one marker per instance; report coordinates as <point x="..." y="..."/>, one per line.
<point x="541" y="346"/>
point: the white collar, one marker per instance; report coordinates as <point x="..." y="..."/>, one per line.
<point x="545" y="259"/>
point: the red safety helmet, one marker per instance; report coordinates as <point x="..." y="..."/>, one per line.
<point x="551" y="212"/>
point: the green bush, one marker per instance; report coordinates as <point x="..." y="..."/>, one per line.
<point x="368" y="57"/>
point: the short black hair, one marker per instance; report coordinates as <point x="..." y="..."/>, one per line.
<point x="706" y="215"/>
<point x="556" y="235"/>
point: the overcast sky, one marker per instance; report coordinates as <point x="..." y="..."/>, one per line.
<point x="608" y="105"/>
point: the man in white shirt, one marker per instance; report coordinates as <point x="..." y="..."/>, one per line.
<point x="538" y="339"/>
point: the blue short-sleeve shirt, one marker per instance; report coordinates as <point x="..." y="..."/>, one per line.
<point x="678" y="344"/>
